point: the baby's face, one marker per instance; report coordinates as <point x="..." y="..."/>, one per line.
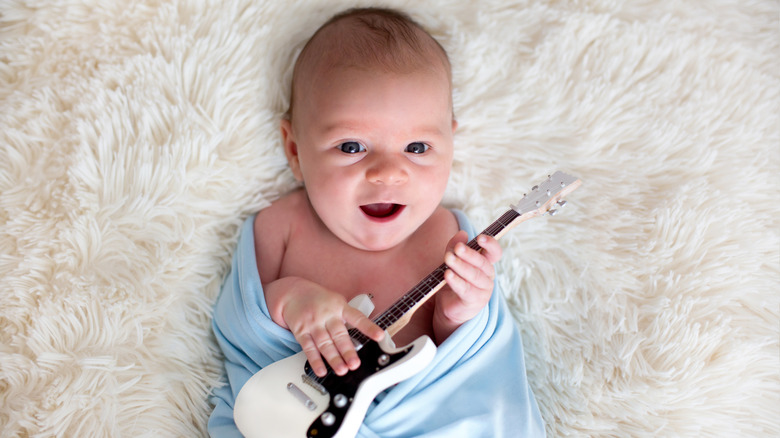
<point x="374" y="151"/>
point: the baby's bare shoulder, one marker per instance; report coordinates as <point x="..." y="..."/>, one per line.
<point x="430" y="240"/>
<point x="441" y="225"/>
<point x="272" y="227"/>
<point x="444" y="217"/>
<point x="280" y="209"/>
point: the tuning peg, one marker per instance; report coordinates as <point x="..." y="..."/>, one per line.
<point x="561" y="203"/>
<point x="552" y="212"/>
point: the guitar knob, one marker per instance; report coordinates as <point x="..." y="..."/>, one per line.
<point x="340" y="400"/>
<point x="328" y="419"/>
<point x="383" y="360"/>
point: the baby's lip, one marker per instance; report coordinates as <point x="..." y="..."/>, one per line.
<point x="382" y="210"/>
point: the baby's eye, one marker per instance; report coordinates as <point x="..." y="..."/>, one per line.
<point x="351" y="147"/>
<point x="416" y="148"/>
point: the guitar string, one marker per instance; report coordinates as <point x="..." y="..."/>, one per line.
<point x="492" y="230"/>
<point x="421" y="290"/>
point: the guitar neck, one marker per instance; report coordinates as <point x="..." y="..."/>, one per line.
<point x="540" y="200"/>
<point x="397" y="315"/>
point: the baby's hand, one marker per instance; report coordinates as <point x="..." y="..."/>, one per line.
<point x="470" y="278"/>
<point x="317" y="318"/>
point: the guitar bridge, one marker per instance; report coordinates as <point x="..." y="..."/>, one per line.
<point x="311" y="381"/>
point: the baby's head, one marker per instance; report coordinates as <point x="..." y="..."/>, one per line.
<point x="371" y="39"/>
<point x="370" y="126"/>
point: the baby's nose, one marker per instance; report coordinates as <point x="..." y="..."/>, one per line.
<point x="387" y="171"/>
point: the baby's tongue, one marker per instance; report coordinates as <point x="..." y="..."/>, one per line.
<point x="378" y="210"/>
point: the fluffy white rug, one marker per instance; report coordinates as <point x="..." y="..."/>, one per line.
<point x="135" y="136"/>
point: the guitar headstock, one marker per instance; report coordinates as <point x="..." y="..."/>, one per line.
<point x="547" y="196"/>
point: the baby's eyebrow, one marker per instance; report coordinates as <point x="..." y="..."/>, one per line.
<point x="417" y="132"/>
<point x="433" y="131"/>
<point x="335" y="128"/>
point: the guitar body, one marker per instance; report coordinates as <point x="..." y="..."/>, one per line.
<point x="286" y="400"/>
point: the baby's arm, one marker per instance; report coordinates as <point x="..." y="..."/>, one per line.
<point x="317" y="318"/>
<point x="469" y="283"/>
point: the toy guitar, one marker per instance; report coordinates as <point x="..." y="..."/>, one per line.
<point x="286" y="398"/>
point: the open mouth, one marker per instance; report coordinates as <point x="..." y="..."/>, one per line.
<point x="381" y="211"/>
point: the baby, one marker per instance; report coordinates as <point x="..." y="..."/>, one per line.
<point x="369" y="134"/>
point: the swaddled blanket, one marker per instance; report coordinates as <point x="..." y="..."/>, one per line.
<point x="475" y="386"/>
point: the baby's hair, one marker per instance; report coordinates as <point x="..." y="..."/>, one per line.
<point x="376" y="37"/>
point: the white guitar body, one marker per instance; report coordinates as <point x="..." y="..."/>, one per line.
<point x="279" y="401"/>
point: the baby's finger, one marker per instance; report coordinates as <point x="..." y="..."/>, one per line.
<point x="356" y="319"/>
<point x="458" y="285"/>
<point x="343" y="343"/>
<point x="491" y="249"/>
<point x="329" y="351"/>
<point x="312" y="355"/>
<point x="475" y="258"/>
<point x="471" y="266"/>
<point x="459" y="237"/>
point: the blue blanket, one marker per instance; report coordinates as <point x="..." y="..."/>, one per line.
<point x="475" y="386"/>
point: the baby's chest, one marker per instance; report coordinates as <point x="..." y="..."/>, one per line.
<point x="353" y="274"/>
<point x="384" y="282"/>
<point x="350" y="272"/>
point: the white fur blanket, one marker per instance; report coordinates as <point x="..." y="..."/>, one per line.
<point x="135" y="136"/>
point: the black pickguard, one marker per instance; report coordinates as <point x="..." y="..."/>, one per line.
<point x="371" y="362"/>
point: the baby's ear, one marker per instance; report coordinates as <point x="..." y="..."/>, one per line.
<point x="291" y="149"/>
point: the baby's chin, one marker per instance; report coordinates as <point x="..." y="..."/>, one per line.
<point x="375" y="242"/>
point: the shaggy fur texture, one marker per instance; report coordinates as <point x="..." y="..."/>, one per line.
<point x="135" y="136"/>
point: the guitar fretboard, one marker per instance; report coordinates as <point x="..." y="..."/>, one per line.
<point x="431" y="283"/>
